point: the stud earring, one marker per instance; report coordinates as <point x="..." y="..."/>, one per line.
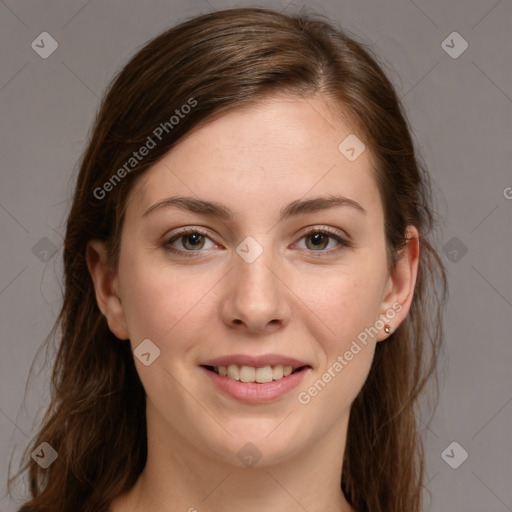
<point x="387" y="328"/>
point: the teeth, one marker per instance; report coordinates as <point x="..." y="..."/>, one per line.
<point x="264" y="374"/>
<point x="233" y="372"/>
<point x="251" y="374"/>
<point x="247" y="374"/>
<point x="287" y="370"/>
<point x="277" y="372"/>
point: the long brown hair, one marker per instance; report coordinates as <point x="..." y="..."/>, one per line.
<point x="216" y="63"/>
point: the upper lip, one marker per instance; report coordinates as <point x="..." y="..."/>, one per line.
<point x="255" y="361"/>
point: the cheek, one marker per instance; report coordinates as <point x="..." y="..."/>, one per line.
<point x="346" y="300"/>
<point x="160" y="300"/>
<point x="149" y="307"/>
<point x="348" y="308"/>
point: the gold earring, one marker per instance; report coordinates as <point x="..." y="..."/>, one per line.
<point x="387" y="328"/>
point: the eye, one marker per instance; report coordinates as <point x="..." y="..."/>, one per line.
<point x="191" y="239"/>
<point x="318" y="239"/>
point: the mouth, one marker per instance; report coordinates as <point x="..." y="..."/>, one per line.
<point x="252" y="374"/>
<point x="262" y="383"/>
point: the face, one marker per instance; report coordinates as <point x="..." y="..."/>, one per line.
<point x="255" y="281"/>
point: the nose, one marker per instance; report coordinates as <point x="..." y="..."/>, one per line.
<point x="256" y="299"/>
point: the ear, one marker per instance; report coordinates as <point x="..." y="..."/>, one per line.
<point x="399" y="291"/>
<point x="106" y="288"/>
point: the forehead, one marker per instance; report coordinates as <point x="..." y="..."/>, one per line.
<point x="265" y="155"/>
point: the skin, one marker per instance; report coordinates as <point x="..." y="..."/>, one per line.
<point x="295" y="299"/>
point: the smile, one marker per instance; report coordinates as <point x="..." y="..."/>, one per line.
<point x="260" y="375"/>
<point x="255" y="385"/>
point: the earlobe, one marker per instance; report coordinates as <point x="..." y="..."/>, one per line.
<point x="401" y="283"/>
<point x="105" y="286"/>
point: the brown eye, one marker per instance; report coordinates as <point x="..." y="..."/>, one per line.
<point x="193" y="241"/>
<point x="319" y="240"/>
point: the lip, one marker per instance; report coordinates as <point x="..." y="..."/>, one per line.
<point x="253" y="392"/>
<point x="255" y="361"/>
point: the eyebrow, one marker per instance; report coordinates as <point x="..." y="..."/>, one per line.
<point x="215" y="209"/>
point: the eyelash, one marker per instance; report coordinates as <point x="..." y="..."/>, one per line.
<point x="332" y="233"/>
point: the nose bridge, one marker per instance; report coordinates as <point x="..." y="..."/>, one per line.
<point x="253" y="265"/>
<point x="257" y="295"/>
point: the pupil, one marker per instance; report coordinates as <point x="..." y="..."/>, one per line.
<point x="194" y="238"/>
<point x="318" y="239"/>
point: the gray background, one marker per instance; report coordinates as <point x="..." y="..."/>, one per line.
<point x="461" y="113"/>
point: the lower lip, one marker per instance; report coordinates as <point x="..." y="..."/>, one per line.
<point x="253" y="392"/>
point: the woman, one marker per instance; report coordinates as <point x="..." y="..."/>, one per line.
<point x="252" y="300"/>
